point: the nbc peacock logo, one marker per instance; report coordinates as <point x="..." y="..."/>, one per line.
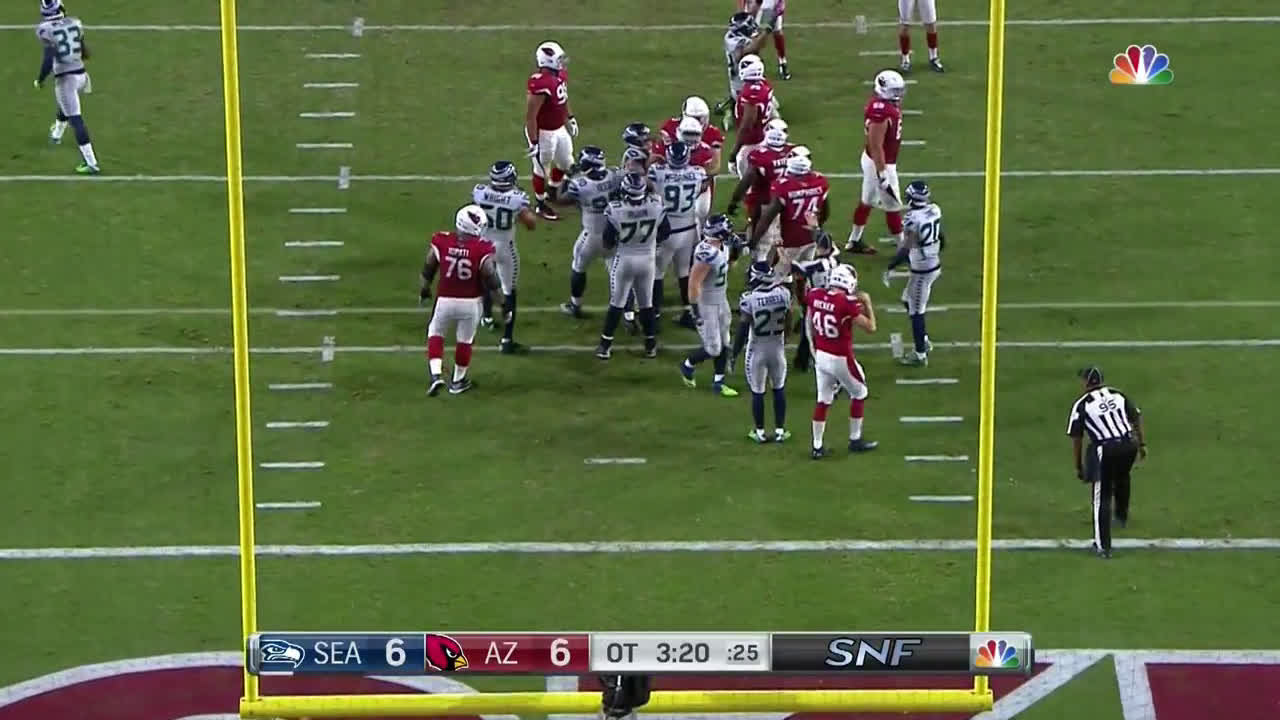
<point x="996" y="654"/>
<point x="1141" y="66"/>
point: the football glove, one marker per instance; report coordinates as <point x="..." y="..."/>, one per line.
<point x="532" y="151"/>
<point x="732" y="209"/>
<point x="697" y="314"/>
<point x="37" y="84"/>
<point x="573" y="126"/>
<point x="886" y="186"/>
<point x="424" y="296"/>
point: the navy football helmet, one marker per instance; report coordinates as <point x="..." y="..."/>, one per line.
<point x="918" y="193"/>
<point x="678" y="154"/>
<point x="502" y="175"/>
<point x="636" y="135"/>
<point x="634" y="186"/>
<point x="591" y="157"/>
<point x="743" y="23"/>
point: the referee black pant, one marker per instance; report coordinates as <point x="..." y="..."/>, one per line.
<point x="1107" y="467"/>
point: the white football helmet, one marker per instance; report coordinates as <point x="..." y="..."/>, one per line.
<point x="696" y="108"/>
<point x="751" y="68"/>
<point x="890" y="86"/>
<point x="471" y="220"/>
<point x="798" y="161"/>
<point x="843" y="278"/>
<point x="775" y="133"/>
<point x="689" y="131"/>
<point x="551" y="56"/>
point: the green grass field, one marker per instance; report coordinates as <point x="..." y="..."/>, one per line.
<point x="132" y="444"/>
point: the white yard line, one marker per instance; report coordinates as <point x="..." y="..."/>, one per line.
<point x="329" y="85"/>
<point x="318" y="211"/>
<point x="927" y="381"/>
<point x="296" y="505"/>
<point x="297" y="424"/>
<point x="312" y="244"/>
<point x="909" y="82"/>
<point x="656" y="546"/>
<point x="878" y="53"/>
<point x="915" y="142"/>
<point x="936" y="458"/>
<point x="614" y="461"/>
<point x="394" y="349"/>
<point x="1151" y="172"/>
<point x="941" y="498"/>
<point x="303" y="465"/>
<point x="415" y="310"/>
<point x="931" y="419"/>
<point x="325" y="146"/>
<point x="300" y="386"/>
<point x="321" y="56"/>
<point x="309" y="278"/>
<point x="839" y="24"/>
<point x="327" y="114"/>
<point x="306" y="313"/>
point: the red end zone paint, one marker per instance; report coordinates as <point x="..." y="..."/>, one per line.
<point x="1197" y="692"/>
<point x="208" y="689"/>
<point x="1000" y="686"/>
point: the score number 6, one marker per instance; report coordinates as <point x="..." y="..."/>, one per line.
<point x="395" y="652"/>
<point x="560" y="652"/>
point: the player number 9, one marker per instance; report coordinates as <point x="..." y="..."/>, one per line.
<point x="560" y="652"/>
<point x="395" y="652"/>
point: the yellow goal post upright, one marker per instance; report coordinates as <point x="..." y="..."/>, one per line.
<point x="254" y="705"/>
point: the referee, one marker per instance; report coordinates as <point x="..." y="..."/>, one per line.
<point x="1114" y="426"/>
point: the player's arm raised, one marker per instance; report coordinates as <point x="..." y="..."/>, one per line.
<point x="532" y="105"/>
<point x="866" y="320"/>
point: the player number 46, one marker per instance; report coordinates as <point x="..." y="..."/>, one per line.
<point x="457" y="267"/>
<point x="825" y="325"/>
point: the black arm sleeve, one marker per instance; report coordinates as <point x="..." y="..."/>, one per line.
<point x="740" y="336"/>
<point x="610" y="235"/>
<point x="664" y="230"/>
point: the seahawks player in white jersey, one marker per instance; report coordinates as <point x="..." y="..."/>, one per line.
<point x="64" y="54"/>
<point x="815" y="273"/>
<point x="590" y="191"/>
<point x="763" y="311"/>
<point x="921" y="249"/>
<point x="635" y="225"/>
<point x="708" y="289"/>
<point x="741" y="39"/>
<point x="679" y="184"/>
<point x="505" y="204"/>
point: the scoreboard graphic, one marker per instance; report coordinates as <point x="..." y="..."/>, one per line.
<point x="650" y="653"/>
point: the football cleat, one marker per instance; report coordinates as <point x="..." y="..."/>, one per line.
<point x="546" y="212"/>
<point x="914" y="359"/>
<point x="783" y="72"/>
<point x="437" y="384"/>
<point x="757" y="435"/>
<point x="817" y="453"/>
<point x="905" y="65"/>
<point x="859" y="248"/>
<point x="54" y="139"/>
<point x="723" y="390"/>
<point x="928" y="345"/>
<point x="572" y="310"/>
<point x="457" y="387"/>
<point x="936" y="65"/>
<point x="686" y="320"/>
<point x="686" y="373"/>
<point x="781" y="435"/>
<point x="87" y="169"/>
<point x="604" y="352"/>
<point x="861" y="445"/>
<point x="486" y="322"/>
<point x="511" y="347"/>
<point x="650" y="348"/>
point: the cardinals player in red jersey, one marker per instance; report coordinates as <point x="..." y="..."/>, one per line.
<point x="928" y="18"/>
<point x="696" y="108"/>
<point x="832" y="313"/>
<point x="882" y="125"/>
<point x="769" y="16"/>
<point x="754" y="107"/>
<point x="469" y="273"/>
<point x="549" y="125"/>
<point x="797" y="194"/>
<point x="766" y="164"/>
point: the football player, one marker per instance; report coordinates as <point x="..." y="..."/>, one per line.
<point x="765" y="165"/>
<point x="754" y="107"/>
<point x="549" y="125"/>
<point x="470" y="273"/>
<point x="638" y="142"/>
<point x="505" y="204"/>
<point x="764" y="310"/>
<point x="65" y="51"/>
<point x="831" y="313"/>
<point x="694" y="133"/>
<point x="708" y="289"/>
<point x="928" y="18"/>
<point x="696" y="108"/>
<point x="590" y="191"/>
<point x="679" y="183"/>
<point x="814" y="273"/>
<point x="923" y="241"/>
<point x="743" y="38"/>
<point x="796" y="195"/>
<point x="769" y="16"/>
<point x="634" y="226"/>
<point x="882" y="125"/>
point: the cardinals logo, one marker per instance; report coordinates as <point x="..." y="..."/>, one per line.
<point x="444" y="654"/>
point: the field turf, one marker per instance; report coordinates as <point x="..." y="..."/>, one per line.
<point x="131" y="444"/>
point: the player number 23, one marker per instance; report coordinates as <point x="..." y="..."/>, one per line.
<point x="825" y="325"/>
<point x="457" y="267"/>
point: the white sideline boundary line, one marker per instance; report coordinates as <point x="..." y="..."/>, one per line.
<point x="625" y="547"/>
<point x="975" y="23"/>
<point x="294" y="505"/>
<point x="1149" y="172"/>
<point x="300" y="386"/>
<point x="931" y="419"/>
<point x="415" y="310"/>
<point x="391" y="349"/>
<point x="297" y="425"/>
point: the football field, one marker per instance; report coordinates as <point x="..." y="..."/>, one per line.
<point x="564" y="492"/>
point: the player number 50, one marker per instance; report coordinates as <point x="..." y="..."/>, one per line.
<point x="395" y="652"/>
<point x="560" y="652"/>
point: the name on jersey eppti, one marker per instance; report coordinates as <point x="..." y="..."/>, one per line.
<point x="1141" y="66"/>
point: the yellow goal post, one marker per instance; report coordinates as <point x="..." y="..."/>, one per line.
<point x="254" y="705"/>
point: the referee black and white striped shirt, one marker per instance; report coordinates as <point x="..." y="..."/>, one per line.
<point x="1105" y="414"/>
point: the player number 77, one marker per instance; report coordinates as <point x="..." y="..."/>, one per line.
<point x="805" y="207"/>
